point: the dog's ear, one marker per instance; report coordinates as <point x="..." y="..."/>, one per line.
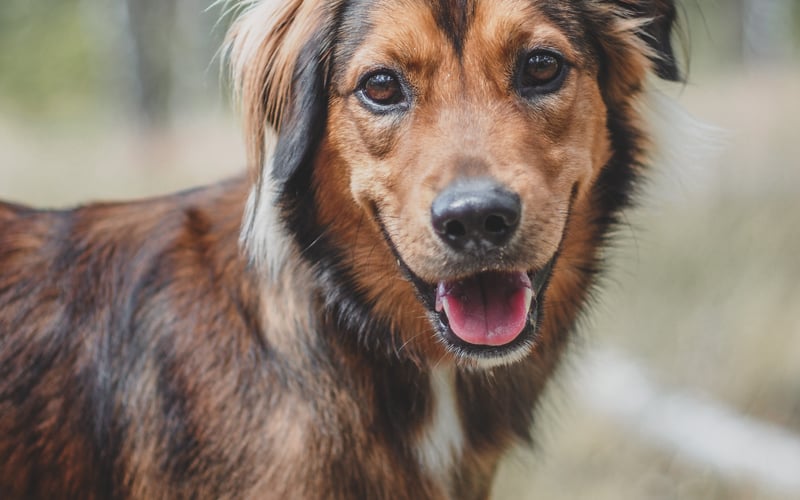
<point x="279" y="52"/>
<point x="278" y="55"/>
<point x="635" y="37"/>
<point x="301" y="123"/>
<point x="660" y="17"/>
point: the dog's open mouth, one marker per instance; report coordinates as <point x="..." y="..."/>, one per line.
<point x="488" y="309"/>
<point x="492" y="316"/>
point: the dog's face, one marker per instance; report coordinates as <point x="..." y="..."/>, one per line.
<point x="465" y="139"/>
<point x="459" y="138"/>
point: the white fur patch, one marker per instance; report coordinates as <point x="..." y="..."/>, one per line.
<point x="442" y="443"/>
<point x="518" y="354"/>
<point x="264" y="237"/>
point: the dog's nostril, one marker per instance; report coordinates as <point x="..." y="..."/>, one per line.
<point x="496" y="224"/>
<point x="455" y="229"/>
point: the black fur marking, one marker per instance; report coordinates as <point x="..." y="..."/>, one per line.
<point x="570" y="19"/>
<point x="454" y="18"/>
<point x="579" y="21"/>
<point x="658" y="36"/>
<point x="355" y="26"/>
<point x="616" y="185"/>
<point x="304" y="125"/>
<point x="353" y="313"/>
<point x="404" y="401"/>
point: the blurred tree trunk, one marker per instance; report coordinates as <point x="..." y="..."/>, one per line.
<point x="150" y="27"/>
<point x="198" y="37"/>
<point x="767" y="31"/>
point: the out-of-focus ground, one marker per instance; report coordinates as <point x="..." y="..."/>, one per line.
<point x="703" y="290"/>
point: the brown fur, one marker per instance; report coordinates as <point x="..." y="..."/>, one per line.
<point x="144" y="355"/>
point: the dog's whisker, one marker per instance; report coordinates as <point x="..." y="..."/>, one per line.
<point x="316" y="240"/>
<point x="411" y="339"/>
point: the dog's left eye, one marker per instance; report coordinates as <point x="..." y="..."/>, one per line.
<point x="541" y="72"/>
<point x="382" y="90"/>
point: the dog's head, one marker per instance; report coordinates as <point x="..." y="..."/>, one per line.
<point x="453" y="163"/>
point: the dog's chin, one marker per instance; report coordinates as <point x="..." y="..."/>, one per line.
<point x="490" y="318"/>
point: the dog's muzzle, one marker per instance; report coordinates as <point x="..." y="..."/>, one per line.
<point x="487" y="304"/>
<point x="476" y="217"/>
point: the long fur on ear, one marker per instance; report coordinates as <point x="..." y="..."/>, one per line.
<point x="263" y="46"/>
<point x="635" y="37"/>
<point x="279" y="52"/>
<point x="657" y="33"/>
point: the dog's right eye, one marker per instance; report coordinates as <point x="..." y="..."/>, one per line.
<point x="382" y="90"/>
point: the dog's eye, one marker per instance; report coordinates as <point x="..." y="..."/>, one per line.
<point x="382" y="89"/>
<point x="541" y="72"/>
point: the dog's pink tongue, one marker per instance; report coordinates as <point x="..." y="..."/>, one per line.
<point x="489" y="309"/>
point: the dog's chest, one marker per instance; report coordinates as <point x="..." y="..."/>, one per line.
<point x="440" y="445"/>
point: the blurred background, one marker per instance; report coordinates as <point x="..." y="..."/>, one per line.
<point x="684" y="381"/>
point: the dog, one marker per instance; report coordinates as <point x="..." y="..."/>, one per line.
<point x="375" y="308"/>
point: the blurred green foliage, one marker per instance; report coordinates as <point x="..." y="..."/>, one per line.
<point x="48" y="59"/>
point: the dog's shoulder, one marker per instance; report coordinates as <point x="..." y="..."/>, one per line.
<point x="98" y="306"/>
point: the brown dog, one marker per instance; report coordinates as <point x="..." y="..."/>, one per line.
<point x="416" y="248"/>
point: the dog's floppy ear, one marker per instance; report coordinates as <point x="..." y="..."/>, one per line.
<point x="635" y="37"/>
<point x="300" y="125"/>
<point x="660" y="17"/>
<point x="279" y="52"/>
<point x="278" y="55"/>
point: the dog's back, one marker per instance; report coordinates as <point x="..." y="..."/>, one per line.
<point x="46" y="353"/>
<point x="102" y="360"/>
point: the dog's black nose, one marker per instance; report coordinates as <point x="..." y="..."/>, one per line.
<point x="475" y="214"/>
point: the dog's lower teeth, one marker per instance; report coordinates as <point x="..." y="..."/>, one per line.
<point x="529" y="299"/>
<point x="446" y="306"/>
